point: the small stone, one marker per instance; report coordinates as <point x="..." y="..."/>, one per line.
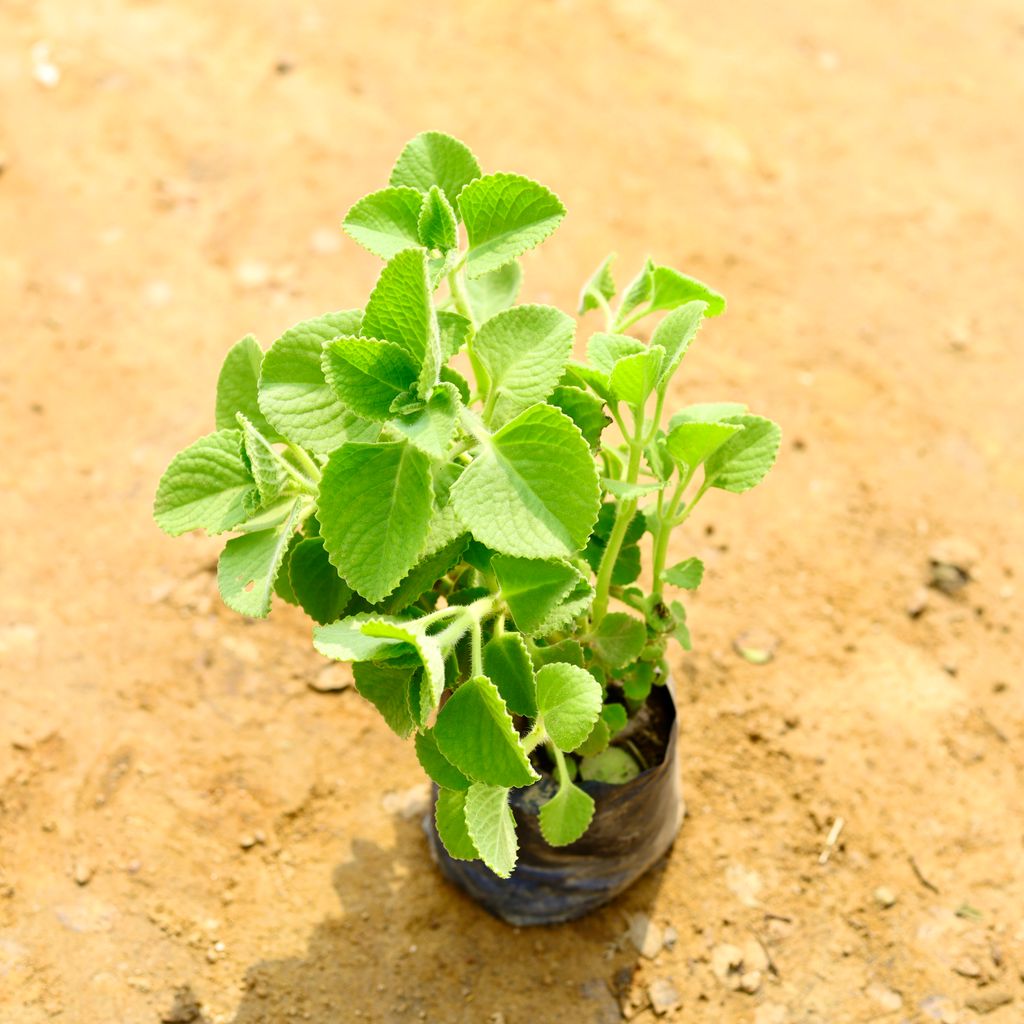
<point x="727" y="964"/>
<point x="744" y="884"/>
<point x="888" y="999"/>
<point x="647" y="938"/>
<point x="663" y="995"/>
<point x="952" y="562"/>
<point x="885" y="897"/>
<point x="757" y="646"/>
<point x="251" y="274"/>
<point x="606" y="1007"/>
<point x="331" y="679"/>
<point x="409" y="803"/>
<point x="247" y="841"/>
<point x="918" y="603"/>
<point x="754" y="956"/>
<point x="83" y="872"/>
<point x="989" y="1001"/>
<point x="750" y="982"/>
<point x="967" y="968"/>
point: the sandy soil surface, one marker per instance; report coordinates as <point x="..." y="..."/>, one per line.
<point x="188" y="831"/>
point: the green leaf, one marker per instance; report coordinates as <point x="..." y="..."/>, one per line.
<point x="345" y="641"/>
<point x="670" y="289"/>
<point x="680" y="630"/>
<point x="624" y="490"/>
<point x="567" y="815"/>
<point x="454" y="328"/>
<point x="586" y="411"/>
<point x="575" y="604"/>
<point x="601" y="283"/>
<point x="207" y="486"/>
<point x="436" y="765"/>
<point x="374" y="508"/>
<point x="597" y="739"/>
<point x="613" y="765"/>
<point x="401" y="310"/>
<point x="638" y="681"/>
<point x="635" y="377"/>
<point x="567" y="652"/>
<point x="492" y="828"/>
<point x="505" y="215"/>
<point x="438" y="228"/>
<point x="238" y="387"/>
<point x="615" y="717"/>
<point x="450" y="820"/>
<point x="507" y="664"/>
<point x="744" y="460"/>
<point x="638" y="291"/>
<point x="430" y="654"/>
<point x="522" y="353"/>
<point x="283" y="583"/>
<point x="386" y="687"/>
<point x="532" y="587"/>
<point x="491" y="293"/>
<point x="450" y="376"/>
<point x="386" y="222"/>
<point x="475" y="732"/>
<point x="686" y="575"/>
<point x="619" y="639"/>
<point x="318" y="588"/>
<point x="432" y="427"/>
<point x="675" y="333"/>
<point x="368" y="375"/>
<point x="264" y="462"/>
<point x="707" y="412"/>
<point x="442" y="555"/>
<point x="569" y="703"/>
<point x="433" y="158"/>
<point x="249" y="564"/>
<point x="605" y="350"/>
<point x="533" y="489"/>
<point x="295" y="397"/>
<point x="690" y="443"/>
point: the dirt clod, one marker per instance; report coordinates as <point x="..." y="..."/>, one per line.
<point x="988" y="1001"/>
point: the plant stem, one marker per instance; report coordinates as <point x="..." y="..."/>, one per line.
<point x="305" y="460"/>
<point x="476" y="635"/>
<point x="535" y="737"/>
<point x="460" y="296"/>
<point x="563" y="772"/>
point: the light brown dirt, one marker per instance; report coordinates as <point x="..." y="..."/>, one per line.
<point x="849" y="174"/>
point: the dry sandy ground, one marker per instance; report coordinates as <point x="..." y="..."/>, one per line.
<point x="849" y="174"/>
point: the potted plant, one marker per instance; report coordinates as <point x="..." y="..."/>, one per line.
<point x="480" y="523"/>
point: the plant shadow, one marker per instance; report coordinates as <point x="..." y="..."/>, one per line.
<point x="409" y="946"/>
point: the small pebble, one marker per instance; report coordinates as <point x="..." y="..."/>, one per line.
<point x="83" y="872"/>
<point x="885" y="997"/>
<point x="663" y="995"/>
<point x="750" y="982"/>
<point x="967" y="968"/>
<point x="727" y="964"/>
<point x="247" y="841"/>
<point x="331" y="679"/>
<point x="647" y="938"/>
<point x="885" y="897"/>
<point x="952" y="561"/>
<point x="918" y="603"/>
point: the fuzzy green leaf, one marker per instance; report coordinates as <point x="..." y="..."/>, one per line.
<point x="680" y="630"/>
<point x="638" y="291"/>
<point x="238" y="387"/>
<point x="567" y="815"/>
<point x="690" y="443"/>
<point x="507" y="664"/>
<point x="436" y="765"/>
<point x="619" y="639"/>
<point x="474" y="731"/>
<point x="454" y="330"/>
<point x="586" y="411"/>
<point x="386" y="687"/>
<point x="433" y="158"/>
<point x="386" y="222"/>
<point x="532" y="587"/>
<point x="505" y="215"/>
<point x="635" y="377"/>
<point x="744" y="460"/>
<point x="442" y="555"/>
<point x="605" y="350"/>
<point x="580" y="374"/>
<point x="438" y="228"/>
<point x="249" y="564"/>
<point x="367" y="375"/>
<point x="707" y="412"/>
<point x="615" y="717"/>
<point x="491" y="293"/>
<point x="374" y="508"/>
<point x="345" y="641"/>
<point x="295" y="397"/>
<point x="687" y="574"/>
<point x="207" y="486"/>
<point x="533" y="489"/>
<point x="576" y="603"/>
<point x="670" y="289"/>
<point x="675" y="333"/>
<point x="318" y="588"/>
<point x="601" y="283"/>
<point x="597" y="740"/>
<point x="568" y="652"/>
<point x="430" y="654"/>
<point x="624" y="490"/>
<point x="613" y="765"/>
<point x="569" y="703"/>
<point x="450" y="820"/>
<point x="264" y="462"/>
<point x="492" y="827"/>
<point x="432" y="427"/>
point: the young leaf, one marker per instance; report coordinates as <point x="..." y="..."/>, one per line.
<point x="619" y="639"/>
<point x="368" y="375"/>
<point x="438" y="228"/>
<point x="576" y="603"/>
<point x="522" y="353"/>
<point x="454" y="330"/>
<point x="293" y="394"/>
<point x="597" y="740"/>
<point x="532" y="588"/>
<point x="450" y="820"/>
<point x="568" y="652"/>
<point x="507" y="665"/>
<point x="475" y="732"/>
<point x="400" y="309"/>
<point x="386" y="222"/>
<point x="386" y="687"/>
<point x="613" y="765"/>
<point x="605" y="350"/>
<point x="283" y="583"/>
<point x="433" y="158"/>
<point x="744" y="460"/>
<point x="567" y="815"/>
<point x="637" y="292"/>
<point x="374" y="508"/>
<point x="690" y="443"/>
<point x="582" y="375"/>
<point x="635" y="377"/>
<point x="238" y="385"/>
<point x="345" y="641"/>
<point x="436" y="765"/>
<point x="491" y="293"/>
<point x="432" y="426"/>
<point x="318" y="588"/>
<point x="586" y="411"/>
<point x="249" y="564"/>
<point x="680" y="630"/>
<point x="670" y="289"/>
<point x="430" y="654"/>
<point x="615" y="717"/>
<point x="505" y="215"/>
<point x="569" y="703"/>
<point x="264" y="462"/>
<point x="686" y="575"/>
<point x="707" y="412"/>
<point x="442" y="554"/>
<point x="623" y="490"/>
<point x="207" y="486"/>
<point x="538" y="471"/>
<point x="601" y="283"/>
<point x="492" y="828"/>
<point x="675" y="333"/>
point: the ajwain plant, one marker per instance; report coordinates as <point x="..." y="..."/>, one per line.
<point x="456" y="501"/>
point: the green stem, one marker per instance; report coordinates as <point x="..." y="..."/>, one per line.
<point x="535" y="737"/>
<point x="476" y="635"/>
<point x="460" y="296"/>
<point x="563" y="772"/>
<point x="609" y="315"/>
<point x="305" y="460"/>
<point x="619" y="326"/>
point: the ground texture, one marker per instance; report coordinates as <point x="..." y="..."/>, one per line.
<point x="188" y="831"/>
